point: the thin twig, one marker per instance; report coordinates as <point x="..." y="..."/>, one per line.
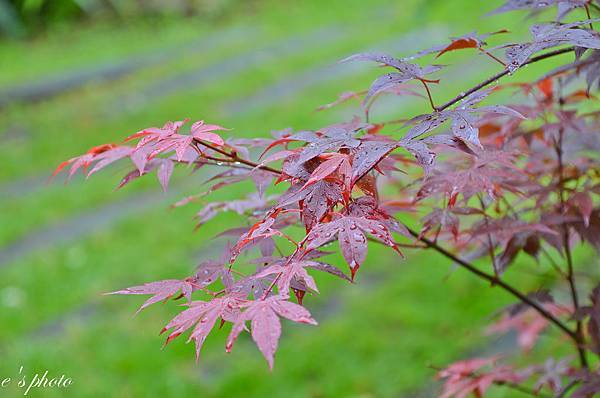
<point x="522" y="389"/>
<point x="566" y="390"/>
<point x="587" y="11"/>
<point x="543" y="250"/>
<point x="492" y="56"/>
<point x="489" y="237"/>
<point x="565" y="237"/>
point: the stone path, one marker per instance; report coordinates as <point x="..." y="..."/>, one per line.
<point x="224" y="69"/>
<point x="61" y="83"/>
<point x="290" y="86"/>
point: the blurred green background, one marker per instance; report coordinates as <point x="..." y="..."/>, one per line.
<point x="78" y="73"/>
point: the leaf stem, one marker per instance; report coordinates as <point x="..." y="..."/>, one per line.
<point x="429" y="95"/>
<point x="492" y="56"/>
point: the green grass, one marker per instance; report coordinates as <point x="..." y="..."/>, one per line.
<point x="375" y="339"/>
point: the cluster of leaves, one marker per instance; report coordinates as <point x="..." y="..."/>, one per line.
<point x="488" y="182"/>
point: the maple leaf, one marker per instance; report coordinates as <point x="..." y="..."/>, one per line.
<point x="527" y="242"/>
<point x="368" y="207"/>
<point x="563" y="6"/>
<point x="335" y="163"/>
<point x="155" y="141"/>
<point x="262" y="179"/>
<point x="204" y="132"/>
<point x="314" y="200"/>
<point x="551" y="35"/>
<point x="593" y="313"/>
<point x="368" y="155"/>
<point x="261" y="230"/>
<point x="539" y="296"/>
<point x="265" y="324"/>
<point x="582" y="202"/>
<point x="253" y="202"/>
<point x="343" y="97"/>
<point x="161" y="290"/>
<point x="406" y="71"/>
<point x="424" y="156"/>
<point x="350" y="232"/>
<point x="507" y="228"/>
<point x="397" y="90"/>
<point x="467" y="377"/>
<point x="587" y="66"/>
<point x="528" y="324"/>
<point x="446" y="219"/>
<point x="155" y="133"/>
<point x="590" y="385"/>
<point x="470" y="40"/>
<point x="480" y="176"/>
<point x="551" y="374"/>
<point x="328" y="268"/>
<point x="165" y="170"/>
<point x="210" y="271"/>
<point x="462" y="118"/>
<point x="291" y="272"/>
<point x="366" y="103"/>
<point x="288" y="271"/>
<point x="334" y="137"/>
<point x="204" y="315"/>
<point x="103" y="155"/>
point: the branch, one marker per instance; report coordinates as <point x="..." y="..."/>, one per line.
<point x="233" y="156"/>
<point x="565" y="390"/>
<point x="483" y="275"/>
<point x="490" y="278"/>
<point x="522" y="389"/>
<point x="494" y="281"/>
<point x="499" y="75"/>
